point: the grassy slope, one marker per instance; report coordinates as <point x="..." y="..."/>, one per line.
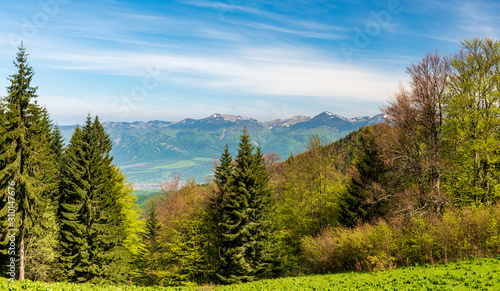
<point x="481" y="274"/>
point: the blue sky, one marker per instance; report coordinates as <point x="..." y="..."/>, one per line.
<point x="168" y="60"/>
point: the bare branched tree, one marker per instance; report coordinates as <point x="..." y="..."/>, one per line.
<point x="416" y="117"/>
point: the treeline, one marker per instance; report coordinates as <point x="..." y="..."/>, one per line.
<point x="421" y="188"/>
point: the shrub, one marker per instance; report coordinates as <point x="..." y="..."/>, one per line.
<point x="367" y="247"/>
<point x="459" y="234"/>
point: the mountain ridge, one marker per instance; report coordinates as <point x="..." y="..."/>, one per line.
<point x="153" y="151"/>
<point x="229" y="118"/>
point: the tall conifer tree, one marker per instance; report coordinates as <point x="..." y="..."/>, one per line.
<point x="243" y="202"/>
<point x="366" y="199"/>
<point x="92" y="229"/>
<point x="26" y="157"/>
<point x="149" y="260"/>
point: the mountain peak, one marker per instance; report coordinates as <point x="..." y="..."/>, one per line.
<point x="227" y="118"/>
<point x="216" y="115"/>
<point x="328" y="115"/>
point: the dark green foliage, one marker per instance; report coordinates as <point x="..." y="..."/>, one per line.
<point x="26" y="155"/>
<point x="217" y="216"/>
<point x="366" y="197"/>
<point x="377" y="199"/>
<point x="92" y="229"/>
<point x="241" y="208"/>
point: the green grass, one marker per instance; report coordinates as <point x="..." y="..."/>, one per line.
<point x="470" y="275"/>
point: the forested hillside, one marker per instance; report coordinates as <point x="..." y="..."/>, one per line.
<point x="421" y="188"/>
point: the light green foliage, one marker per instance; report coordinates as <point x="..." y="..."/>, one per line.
<point x="308" y="191"/>
<point x="40" y="286"/>
<point x="42" y="252"/>
<point x="307" y="188"/>
<point x="148" y="262"/>
<point x="367" y="247"/>
<point x="183" y="254"/>
<point x="387" y="185"/>
<point x="173" y="251"/>
<point x="471" y="127"/>
<point x="131" y="213"/>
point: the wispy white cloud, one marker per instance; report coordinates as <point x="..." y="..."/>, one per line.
<point x="272" y="71"/>
<point x="302" y="33"/>
<point x="478" y="18"/>
<point x="273" y="50"/>
<point x="222" y="7"/>
<point x="288" y="24"/>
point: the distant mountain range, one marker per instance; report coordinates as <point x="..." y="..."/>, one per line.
<point x="154" y="151"/>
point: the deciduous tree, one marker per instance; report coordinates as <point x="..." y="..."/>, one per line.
<point x="415" y="145"/>
<point x="472" y="123"/>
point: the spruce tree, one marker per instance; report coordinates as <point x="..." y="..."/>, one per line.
<point x="26" y="157"/>
<point x="244" y="227"/>
<point x="217" y="213"/>
<point x="368" y="176"/>
<point x="92" y="229"/>
<point x="262" y="232"/>
<point x="149" y="261"/>
<point x="72" y="193"/>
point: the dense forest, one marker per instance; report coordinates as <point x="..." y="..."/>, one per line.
<point x="421" y="188"/>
